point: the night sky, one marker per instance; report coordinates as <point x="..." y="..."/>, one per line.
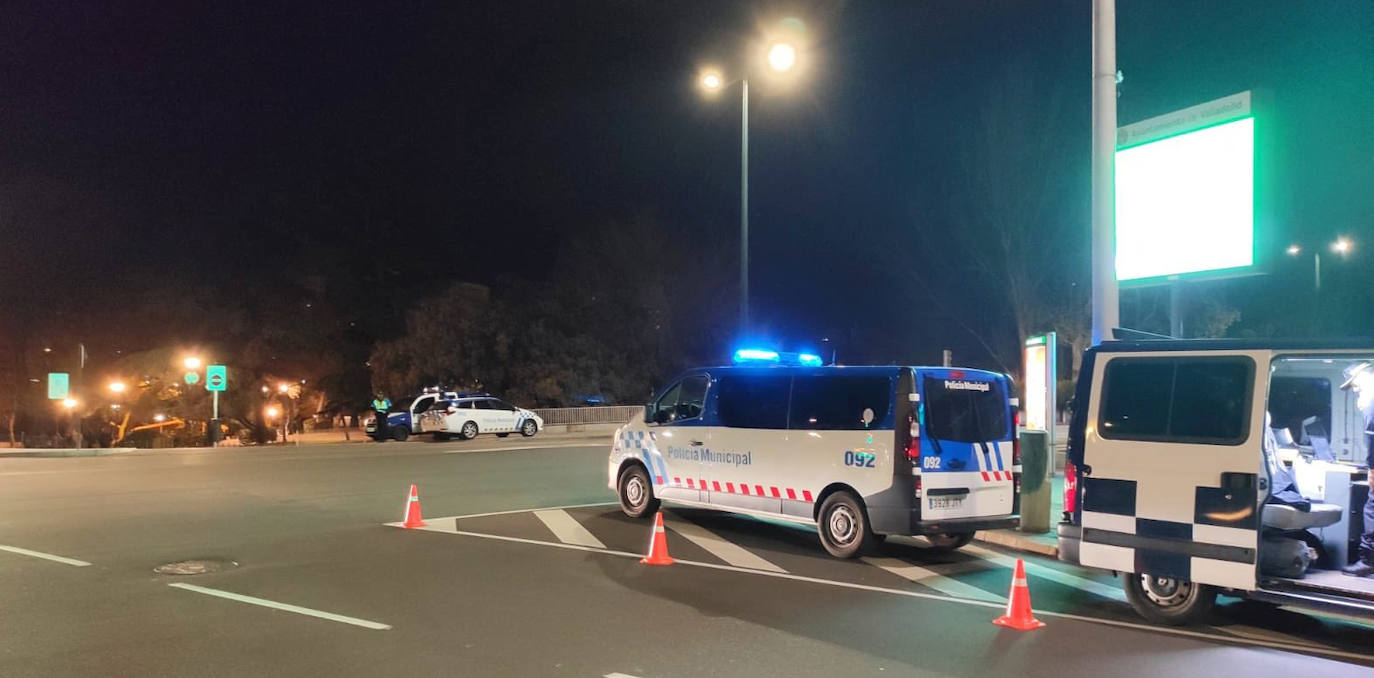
<point x="231" y="149"/>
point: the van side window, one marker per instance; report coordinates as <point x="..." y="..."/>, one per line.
<point x="1187" y="400"/>
<point x="837" y="403"/>
<point x="683" y="400"/>
<point x="754" y="401"/>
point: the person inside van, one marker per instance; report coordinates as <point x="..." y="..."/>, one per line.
<point x="1360" y="378"/>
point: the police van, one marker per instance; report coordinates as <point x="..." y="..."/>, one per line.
<point x="1199" y="467"/>
<point x="859" y="452"/>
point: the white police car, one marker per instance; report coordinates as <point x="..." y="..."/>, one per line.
<point x="403" y="423"/>
<point x="469" y="415"/>
<point x="859" y="452"/>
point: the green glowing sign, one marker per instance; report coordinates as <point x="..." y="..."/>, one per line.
<point x="58" y="385"/>
<point x="1185" y="203"/>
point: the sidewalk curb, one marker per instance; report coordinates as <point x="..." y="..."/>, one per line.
<point x="68" y="452"/>
<point x="1015" y="540"/>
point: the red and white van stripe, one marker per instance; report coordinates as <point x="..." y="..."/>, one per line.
<point x="745" y="489"/>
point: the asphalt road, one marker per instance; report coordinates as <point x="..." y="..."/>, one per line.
<point x="493" y="587"/>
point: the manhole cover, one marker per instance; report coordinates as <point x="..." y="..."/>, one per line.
<point x="196" y="566"/>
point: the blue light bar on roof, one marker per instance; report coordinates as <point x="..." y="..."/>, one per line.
<point x="810" y="360"/>
<point x="753" y="355"/>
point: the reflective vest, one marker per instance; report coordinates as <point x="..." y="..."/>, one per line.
<point x="381" y="405"/>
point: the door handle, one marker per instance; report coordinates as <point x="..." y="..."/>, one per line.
<point x="696" y="443"/>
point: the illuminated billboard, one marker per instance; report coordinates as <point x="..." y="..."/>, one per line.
<point x="1185" y="193"/>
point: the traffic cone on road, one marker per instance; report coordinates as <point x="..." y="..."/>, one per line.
<point x="413" y="509"/>
<point x="658" y="545"/>
<point x="1018" y="614"/>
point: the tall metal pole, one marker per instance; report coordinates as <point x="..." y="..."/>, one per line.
<point x="744" y="211"/>
<point x="1317" y="270"/>
<point x="214" y="418"/>
<point x="1105" y="298"/>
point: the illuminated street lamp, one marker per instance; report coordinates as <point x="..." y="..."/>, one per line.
<point x="1342" y="246"/>
<point x="117" y="387"/>
<point x="69" y="403"/>
<point x="192" y="363"/>
<point x="272" y="412"/>
<point x="283" y="387"/>
<point x="159" y="418"/>
<point x="780" y="57"/>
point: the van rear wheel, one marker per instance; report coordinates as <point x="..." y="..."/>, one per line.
<point x="1172" y="602"/>
<point x="843" y="526"/>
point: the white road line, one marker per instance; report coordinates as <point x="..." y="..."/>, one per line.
<point x="1050" y="573"/>
<point x="506" y="513"/>
<point x="1167" y="630"/>
<point x="1254" y="633"/>
<point x="45" y="556"/>
<point x="931" y="579"/>
<point x="727" y="551"/>
<point x="263" y="602"/>
<point x="619" y="675"/>
<point x="567" y="530"/>
<point x="464" y="450"/>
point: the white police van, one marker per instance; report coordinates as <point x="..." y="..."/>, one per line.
<point x="402" y="423"/>
<point x="860" y="452"/>
<point x="468" y="415"/>
<point x="1199" y="467"/>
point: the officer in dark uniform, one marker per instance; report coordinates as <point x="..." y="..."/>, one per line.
<point x="1360" y="378"/>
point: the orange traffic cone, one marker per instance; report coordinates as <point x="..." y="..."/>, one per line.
<point x="1018" y="614"/>
<point x="658" y="545"/>
<point x="413" y="509"/>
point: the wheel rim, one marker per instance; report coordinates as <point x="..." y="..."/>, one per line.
<point x="528" y="428"/>
<point x="842" y="525"/>
<point x="634" y="491"/>
<point x="469" y="429"/>
<point x="1166" y="592"/>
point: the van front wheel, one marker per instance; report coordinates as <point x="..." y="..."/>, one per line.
<point x="843" y="526"/>
<point x="636" y="493"/>
<point x="1163" y="600"/>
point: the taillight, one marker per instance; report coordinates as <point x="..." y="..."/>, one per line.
<point x="1015" y="437"/>
<point x="913" y="442"/>
<point x="918" y="486"/>
<point x="1070" y="487"/>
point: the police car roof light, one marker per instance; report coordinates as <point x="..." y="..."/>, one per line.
<point x="810" y="360"/>
<point x="753" y="355"/>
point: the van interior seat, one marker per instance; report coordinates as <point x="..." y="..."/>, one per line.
<point x="1285" y="517"/>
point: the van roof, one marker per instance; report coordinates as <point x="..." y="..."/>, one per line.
<point x="1290" y="344"/>
<point x="862" y="370"/>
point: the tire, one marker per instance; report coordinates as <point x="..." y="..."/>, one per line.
<point x="469" y="430"/>
<point x="636" y="492"/>
<point x="400" y="433"/>
<point x="529" y="428"/>
<point x="1168" y="601"/>
<point x="502" y="435"/>
<point x="843" y="526"/>
<point x="950" y="541"/>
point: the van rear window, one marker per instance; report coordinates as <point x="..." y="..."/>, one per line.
<point x="961" y="410"/>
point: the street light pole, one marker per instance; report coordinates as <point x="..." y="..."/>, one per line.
<point x="1105" y="300"/>
<point x="744" y="209"/>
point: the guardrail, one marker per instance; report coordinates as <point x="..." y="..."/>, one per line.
<point x="615" y="414"/>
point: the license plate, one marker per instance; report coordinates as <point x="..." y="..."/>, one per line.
<point x="946" y="502"/>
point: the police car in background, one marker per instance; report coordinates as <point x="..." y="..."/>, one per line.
<point x="468" y="415"/>
<point x="403" y="423"/>
<point x="859" y="452"/>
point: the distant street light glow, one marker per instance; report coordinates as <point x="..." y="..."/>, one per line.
<point x="711" y="81"/>
<point x="69" y="403"/>
<point x="192" y="363"/>
<point x="782" y="57"/>
<point x="272" y="412"/>
<point x="283" y="387"/>
<point x="117" y="387"/>
<point x="1294" y="250"/>
<point x="159" y="418"/>
<point x="1341" y="246"/>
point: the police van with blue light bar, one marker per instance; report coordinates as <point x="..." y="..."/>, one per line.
<point x="860" y="452"/>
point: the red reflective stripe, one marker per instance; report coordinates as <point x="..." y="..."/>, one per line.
<point x="776" y="494"/>
<point x="806" y="494"/>
<point x="677" y="480"/>
<point x="715" y="485"/>
<point x="701" y="484"/>
<point x="744" y="488"/>
<point x="791" y="493"/>
<point x="985" y="479"/>
<point x="758" y="489"/>
<point x="689" y="481"/>
<point x="658" y="480"/>
<point x="730" y="487"/>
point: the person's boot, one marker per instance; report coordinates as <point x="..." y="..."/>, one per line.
<point x="1359" y="568"/>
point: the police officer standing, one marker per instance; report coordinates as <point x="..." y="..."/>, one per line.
<point x="1360" y="378"/>
<point x="381" y="405"/>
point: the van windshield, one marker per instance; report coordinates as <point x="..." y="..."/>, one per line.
<point x="964" y="410"/>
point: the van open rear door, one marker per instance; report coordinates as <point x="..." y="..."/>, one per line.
<point x="1171" y="474"/>
<point x="966" y="451"/>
